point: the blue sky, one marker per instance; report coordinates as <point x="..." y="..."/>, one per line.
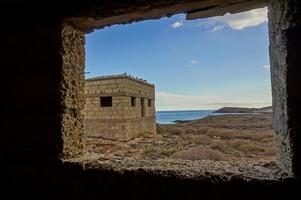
<point x="197" y="64"/>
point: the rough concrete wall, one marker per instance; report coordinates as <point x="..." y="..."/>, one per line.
<point x="36" y="79"/>
<point x="87" y="14"/>
<point x="139" y="91"/>
<point x="121" y="89"/>
<point x="72" y="89"/>
<point x="89" y="183"/>
<point x="113" y="87"/>
<point x="73" y="181"/>
<point x="100" y="15"/>
<point x="122" y="130"/>
<point x="121" y="121"/>
<point x="285" y="43"/>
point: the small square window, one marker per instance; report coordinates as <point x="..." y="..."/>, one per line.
<point x="133" y="101"/>
<point x="106" y="101"/>
<point x="149" y="103"/>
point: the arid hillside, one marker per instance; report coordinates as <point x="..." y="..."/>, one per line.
<point x="231" y="144"/>
<point x="267" y="109"/>
<point x="224" y="137"/>
<point x="218" y="138"/>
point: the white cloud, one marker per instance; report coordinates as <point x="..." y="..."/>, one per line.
<point x="237" y="21"/>
<point x="218" y="28"/>
<point x="267" y="66"/>
<point x="170" y="101"/>
<point x="177" y="24"/>
<point x="195" y="62"/>
<point x="166" y="100"/>
<point x="245" y="19"/>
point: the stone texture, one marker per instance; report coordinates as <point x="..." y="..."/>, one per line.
<point x="72" y="89"/>
<point x="88" y="15"/>
<point x="226" y="7"/>
<point x="100" y="15"/>
<point x="284" y="31"/>
<point x="122" y="121"/>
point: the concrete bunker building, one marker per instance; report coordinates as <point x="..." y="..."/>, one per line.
<point x="119" y="107"/>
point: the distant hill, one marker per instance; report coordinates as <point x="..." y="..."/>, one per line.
<point x="267" y="109"/>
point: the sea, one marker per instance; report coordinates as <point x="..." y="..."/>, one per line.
<point x="168" y="117"/>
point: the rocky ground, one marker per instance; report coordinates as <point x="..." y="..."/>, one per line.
<point x="227" y="144"/>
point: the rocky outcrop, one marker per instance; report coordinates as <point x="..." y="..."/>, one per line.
<point x="267" y="109"/>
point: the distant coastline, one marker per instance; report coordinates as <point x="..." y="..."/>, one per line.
<point x="267" y="109"/>
<point x="170" y="117"/>
<point x="180" y="116"/>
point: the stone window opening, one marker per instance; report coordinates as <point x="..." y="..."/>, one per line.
<point x="144" y="104"/>
<point x="149" y="103"/>
<point x="44" y="142"/>
<point x="282" y="148"/>
<point x="142" y="107"/>
<point x="133" y="101"/>
<point x="106" y="101"/>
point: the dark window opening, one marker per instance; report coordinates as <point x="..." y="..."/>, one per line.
<point x="142" y="107"/>
<point x="106" y="101"/>
<point x="149" y="103"/>
<point x="133" y="101"/>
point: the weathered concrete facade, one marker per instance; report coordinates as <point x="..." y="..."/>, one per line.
<point x="285" y="44"/>
<point x="131" y="110"/>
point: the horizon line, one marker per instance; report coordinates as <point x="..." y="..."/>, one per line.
<point x="159" y="110"/>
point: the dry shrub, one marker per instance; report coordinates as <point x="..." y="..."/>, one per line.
<point x="168" y="151"/>
<point x="268" y="140"/>
<point x="244" y="146"/>
<point x="240" y="134"/>
<point x="263" y="135"/>
<point x="175" y="131"/>
<point x="190" y="131"/>
<point x="187" y="138"/>
<point x="159" y="152"/>
<point x="256" y="135"/>
<point x="251" y="148"/>
<point x="152" y="153"/>
<point x="201" y="140"/>
<point x="222" y="133"/>
<point x="217" y="144"/>
<point x="161" y="128"/>
<point x="199" y="153"/>
<point x="202" y="131"/>
<point x="271" y="151"/>
<point x="235" y="143"/>
<point x="247" y="135"/>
